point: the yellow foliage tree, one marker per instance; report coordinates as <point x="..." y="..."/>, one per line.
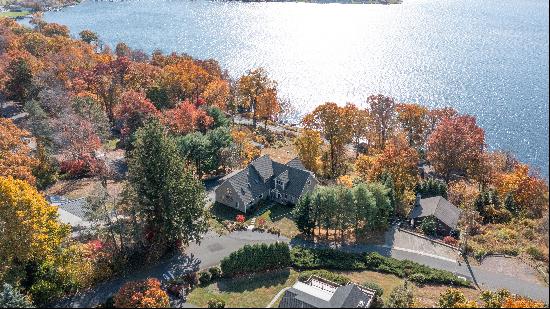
<point x="308" y="146"/>
<point x="30" y="230"/>
<point x="15" y="157"/>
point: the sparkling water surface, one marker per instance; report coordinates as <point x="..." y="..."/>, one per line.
<point x="488" y="58"/>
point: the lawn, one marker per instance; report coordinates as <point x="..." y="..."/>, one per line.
<point x="425" y="296"/>
<point x="14" y="14"/>
<point x="255" y="291"/>
<point x="280" y="216"/>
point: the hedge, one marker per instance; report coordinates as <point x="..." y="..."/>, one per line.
<point x="325" y="274"/>
<point x="304" y="258"/>
<point x="255" y="258"/>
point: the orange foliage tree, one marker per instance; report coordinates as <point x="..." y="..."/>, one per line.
<point x="309" y="148"/>
<point x="142" y="294"/>
<point x="382" y="112"/>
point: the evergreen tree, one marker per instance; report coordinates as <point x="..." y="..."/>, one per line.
<point x="365" y="203"/>
<point x="168" y="198"/>
<point x="303" y="215"/>
<point x="11" y="298"/>
<point x="19" y="85"/>
<point x="431" y="187"/>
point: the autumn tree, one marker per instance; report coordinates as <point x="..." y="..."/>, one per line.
<point x="168" y="199"/>
<point x="436" y="115"/>
<point x="456" y="146"/>
<point x="268" y="106"/>
<point x="217" y="93"/>
<point x="132" y="112"/>
<point x="329" y="119"/>
<point x="15" y="154"/>
<point x="413" y="118"/>
<point x="383" y="116"/>
<point x="256" y="86"/>
<point x="31" y="230"/>
<point x="187" y="118"/>
<point x="360" y="122"/>
<point x="401" y="296"/>
<point x="309" y="147"/>
<point x="142" y="294"/>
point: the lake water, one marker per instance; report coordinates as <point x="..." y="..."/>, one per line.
<point x="488" y="58"/>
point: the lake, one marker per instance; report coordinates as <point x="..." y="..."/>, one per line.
<point x="488" y="58"/>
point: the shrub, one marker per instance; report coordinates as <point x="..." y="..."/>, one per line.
<point x="325" y="274"/>
<point x="373" y="286"/>
<point x="191" y="278"/>
<point x="306" y="258"/>
<point x="258" y="257"/>
<point x="205" y="278"/>
<point x="451" y="241"/>
<point x="429" y="226"/>
<point x="401" y="297"/>
<point x="535" y="253"/>
<point x="215" y="272"/>
<point x="216" y="303"/>
<point x="240" y="218"/>
<point x="274" y="230"/>
<point x="418" y="278"/>
<point x="141" y="294"/>
<point x="325" y="258"/>
<point x="451" y="298"/>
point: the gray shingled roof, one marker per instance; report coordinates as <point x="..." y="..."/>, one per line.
<point x="296" y="163"/>
<point x="75" y="207"/>
<point x="258" y="177"/>
<point x="438" y="207"/>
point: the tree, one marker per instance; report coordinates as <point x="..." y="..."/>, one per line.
<point x="303" y="215"/>
<point x="44" y="171"/>
<point x="218" y="117"/>
<point x="142" y="294"/>
<point x="489" y="206"/>
<point x="11" y="298"/>
<point x="88" y="36"/>
<point x="39" y="123"/>
<point x="401" y="296"/>
<point x="19" y="85"/>
<point x="495" y="299"/>
<point x="521" y="302"/>
<point x="380" y="215"/>
<point x="360" y="124"/>
<point x="329" y="119"/>
<point x="187" y="118"/>
<point x="365" y="206"/>
<point x="308" y="146"/>
<point x="431" y="187"/>
<point x="29" y="223"/>
<point x="413" y="118"/>
<point x="122" y="50"/>
<point x="15" y="154"/>
<point x="169" y="200"/>
<point x="132" y="112"/>
<point x="251" y="88"/>
<point x="217" y="93"/>
<point x="268" y="106"/>
<point x="382" y="112"/>
<point x="53" y="30"/>
<point x="456" y="146"/>
<point x="216" y="303"/>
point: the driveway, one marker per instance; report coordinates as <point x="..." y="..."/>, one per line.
<point x="213" y="248"/>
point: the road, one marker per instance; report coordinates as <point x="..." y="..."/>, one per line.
<point x="213" y="248"/>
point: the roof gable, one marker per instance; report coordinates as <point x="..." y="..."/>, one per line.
<point x="438" y="207"/>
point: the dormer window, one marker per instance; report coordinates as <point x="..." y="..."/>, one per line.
<point x="280" y="183"/>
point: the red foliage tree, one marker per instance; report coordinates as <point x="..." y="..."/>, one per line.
<point x="186" y="118"/>
<point x="133" y="111"/>
<point x="456" y="146"/>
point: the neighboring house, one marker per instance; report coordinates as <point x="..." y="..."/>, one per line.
<point x="445" y="213"/>
<point x="71" y="212"/>
<point x="265" y="179"/>
<point x="321" y="293"/>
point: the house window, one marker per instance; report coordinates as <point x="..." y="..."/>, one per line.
<point x="279" y="182"/>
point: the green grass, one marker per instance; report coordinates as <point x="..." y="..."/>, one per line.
<point x="14" y="14"/>
<point x="280" y="216"/>
<point x="254" y="291"/>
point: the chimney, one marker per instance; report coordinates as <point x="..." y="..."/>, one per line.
<point x="418" y="197"/>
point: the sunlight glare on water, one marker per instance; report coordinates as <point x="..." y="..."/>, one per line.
<point x="487" y="58"/>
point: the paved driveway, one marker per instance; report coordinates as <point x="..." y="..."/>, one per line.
<point x="404" y="241"/>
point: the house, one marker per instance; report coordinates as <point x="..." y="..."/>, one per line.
<point x="445" y="213"/>
<point x="265" y="179"/>
<point x="320" y="293"/>
<point x="71" y="212"/>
